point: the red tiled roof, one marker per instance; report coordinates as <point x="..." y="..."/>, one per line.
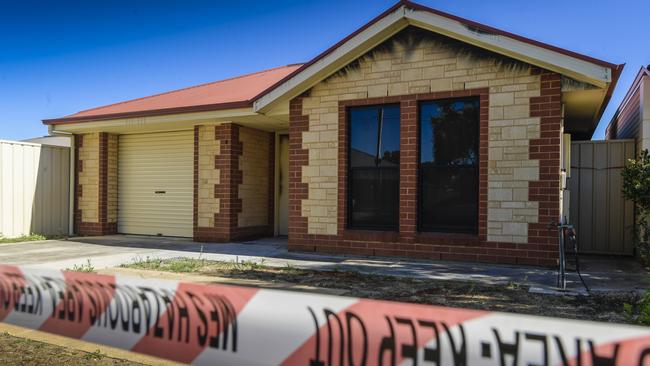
<point x="229" y="93"/>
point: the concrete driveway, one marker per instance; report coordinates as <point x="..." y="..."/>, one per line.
<point x="114" y="250"/>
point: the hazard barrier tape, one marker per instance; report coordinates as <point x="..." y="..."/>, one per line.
<point x="229" y="325"/>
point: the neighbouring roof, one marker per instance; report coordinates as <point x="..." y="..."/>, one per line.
<point x="644" y="72"/>
<point x="235" y="92"/>
<point x="63" y="141"/>
<point x="261" y="90"/>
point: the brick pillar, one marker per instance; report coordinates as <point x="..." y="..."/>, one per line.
<point x="95" y="201"/>
<point x="408" y="170"/>
<point x="216" y="176"/>
<point x="230" y="176"/>
<point x="299" y="157"/>
<point x="207" y="149"/>
<point x="548" y="106"/>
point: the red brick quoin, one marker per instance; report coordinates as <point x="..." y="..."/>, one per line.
<point x="102" y="227"/>
<point x="541" y="248"/>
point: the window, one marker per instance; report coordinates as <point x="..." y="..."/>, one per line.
<point x="373" y="184"/>
<point x="449" y="135"/>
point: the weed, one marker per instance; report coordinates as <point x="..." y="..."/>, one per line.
<point x="628" y="309"/>
<point x="289" y="269"/>
<point x="639" y="312"/>
<point x="94" y="356"/>
<point x="146" y="263"/>
<point x="180" y="265"/>
<point x="84" y="267"/>
<point x="183" y="265"/>
<point x="513" y="286"/>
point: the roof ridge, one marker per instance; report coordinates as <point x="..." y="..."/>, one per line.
<point x="185" y="88"/>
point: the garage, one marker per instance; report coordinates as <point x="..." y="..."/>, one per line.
<point x="155" y="183"/>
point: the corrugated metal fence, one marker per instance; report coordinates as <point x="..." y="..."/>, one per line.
<point x="603" y="219"/>
<point x="34" y="189"/>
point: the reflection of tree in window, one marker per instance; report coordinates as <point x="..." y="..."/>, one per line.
<point x="449" y="133"/>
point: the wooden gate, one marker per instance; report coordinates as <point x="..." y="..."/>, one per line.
<point x="603" y="219"/>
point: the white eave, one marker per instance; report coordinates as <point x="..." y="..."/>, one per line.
<point x="574" y="67"/>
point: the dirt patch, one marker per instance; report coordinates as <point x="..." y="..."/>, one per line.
<point x="513" y="297"/>
<point x="21" y="351"/>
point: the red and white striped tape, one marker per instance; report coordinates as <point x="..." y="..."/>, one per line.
<point x="229" y="325"/>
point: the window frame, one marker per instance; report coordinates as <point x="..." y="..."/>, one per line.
<point x="419" y="192"/>
<point x="348" y="182"/>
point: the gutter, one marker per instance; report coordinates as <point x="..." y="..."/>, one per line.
<point x="149" y="113"/>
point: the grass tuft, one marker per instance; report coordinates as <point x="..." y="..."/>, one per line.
<point x="20" y="239"/>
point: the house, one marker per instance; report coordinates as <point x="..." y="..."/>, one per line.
<point x="421" y="134"/>
<point x="632" y="118"/>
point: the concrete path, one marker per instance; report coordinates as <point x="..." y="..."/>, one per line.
<point x="111" y="251"/>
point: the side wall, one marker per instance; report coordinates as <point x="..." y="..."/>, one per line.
<point x="627" y="122"/>
<point x="645" y="113"/>
<point x="632" y="119"/>
<point x="519" y="156"/>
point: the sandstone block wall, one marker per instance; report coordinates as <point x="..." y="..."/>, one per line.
<point x="519" y="98"/>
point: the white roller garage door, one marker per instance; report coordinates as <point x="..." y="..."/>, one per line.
<point x="155" y="183"/>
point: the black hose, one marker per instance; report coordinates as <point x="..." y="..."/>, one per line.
<point x="572" y="237"/>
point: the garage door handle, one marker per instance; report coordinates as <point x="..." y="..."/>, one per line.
<point x="160" y="192"/>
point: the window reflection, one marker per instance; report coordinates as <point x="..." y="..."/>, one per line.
<point x="374" y="167"/>
<point x="449" y="135"/>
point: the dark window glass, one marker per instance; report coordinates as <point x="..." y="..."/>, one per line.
<point x="374" y="167"/>
<point x="449" y="136"/>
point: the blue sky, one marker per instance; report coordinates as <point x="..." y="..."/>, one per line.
<point x="59" y="57"/>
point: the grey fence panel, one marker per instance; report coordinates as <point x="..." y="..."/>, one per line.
<point x="603" y="219"/>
